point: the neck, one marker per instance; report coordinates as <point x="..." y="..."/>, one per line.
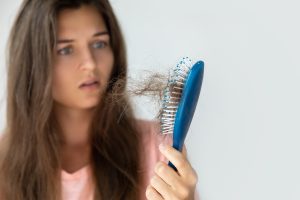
<point x="74" y="125"/>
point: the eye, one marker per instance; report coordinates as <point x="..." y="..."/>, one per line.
<point x="65" y="51"/>
<point x="100" y="45"/>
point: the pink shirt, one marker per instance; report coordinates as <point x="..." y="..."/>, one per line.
<point x="79" y="185"/>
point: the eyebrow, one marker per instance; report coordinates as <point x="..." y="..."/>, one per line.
<point x="72" y="40"/>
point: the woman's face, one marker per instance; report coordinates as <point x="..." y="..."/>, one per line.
<point x="82" y="55"/>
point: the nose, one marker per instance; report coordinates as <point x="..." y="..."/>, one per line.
<point x="87" y="61"/>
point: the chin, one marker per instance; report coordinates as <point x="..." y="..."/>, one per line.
<point x="89" y="105"/>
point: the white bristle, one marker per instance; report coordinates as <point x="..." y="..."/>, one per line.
<point x="172" y="95"/>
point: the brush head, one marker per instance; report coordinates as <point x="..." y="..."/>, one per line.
<point x="172" y="94"/>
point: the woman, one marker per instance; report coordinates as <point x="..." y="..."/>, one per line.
<point x="67" y="136"/>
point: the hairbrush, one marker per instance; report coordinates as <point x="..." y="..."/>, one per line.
<point x="180" y="99"/>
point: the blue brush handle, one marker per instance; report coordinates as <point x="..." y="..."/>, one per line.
<point x="187" y="106"/>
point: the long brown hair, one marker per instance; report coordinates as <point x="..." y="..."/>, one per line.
<point x="30" y="149"/>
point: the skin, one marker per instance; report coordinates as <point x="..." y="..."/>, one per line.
<point x="169" y="184"/>
<point x="88" y="56"/>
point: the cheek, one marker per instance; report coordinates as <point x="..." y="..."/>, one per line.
<point x="105" y="65"/>
<point x="57" y="87"/>
<point x="61" y="86"/>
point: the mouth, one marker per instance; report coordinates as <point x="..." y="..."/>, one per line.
<point x="92" y="83"/>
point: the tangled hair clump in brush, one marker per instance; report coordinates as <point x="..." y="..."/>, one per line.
<point x="151" y="86"/>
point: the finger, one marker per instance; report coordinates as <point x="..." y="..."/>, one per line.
<point x="167" y="174"/>
<point x="184" y="151"/>
<point x="152" y="194"/>
<point x="177" y="158"/>
<point x="161" y="187"/>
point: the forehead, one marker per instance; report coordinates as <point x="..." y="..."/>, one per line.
<point x="80" y="21"/>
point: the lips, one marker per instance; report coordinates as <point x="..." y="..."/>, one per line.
<point x="89" y="82"/>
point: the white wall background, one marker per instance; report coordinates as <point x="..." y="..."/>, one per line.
<point x="244" y="139"/>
